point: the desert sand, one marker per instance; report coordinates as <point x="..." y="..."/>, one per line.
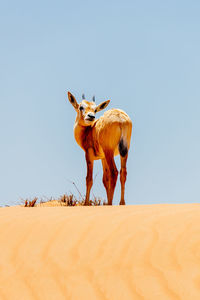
<point x="131" y="252"/>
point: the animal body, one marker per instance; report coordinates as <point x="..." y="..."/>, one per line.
<point x="103" y="139"/>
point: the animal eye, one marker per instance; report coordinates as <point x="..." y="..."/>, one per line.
<point x="81" y="108"/>
<point x="95" y="111"/>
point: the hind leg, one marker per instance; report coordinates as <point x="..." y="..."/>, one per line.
<point x="106" y="177"/>
<point x="113" y="173"/>
<point x="123" y="174"/>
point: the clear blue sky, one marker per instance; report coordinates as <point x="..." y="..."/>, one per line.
<point x="143" y="55"/>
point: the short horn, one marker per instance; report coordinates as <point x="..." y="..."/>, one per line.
<point x="93" y="98"/>
<point x="83" y="96"/>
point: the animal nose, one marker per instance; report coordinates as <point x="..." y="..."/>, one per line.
<point x="91" y="116"/>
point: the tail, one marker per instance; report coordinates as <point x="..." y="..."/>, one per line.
<point x="123" y="149"/>
<point x="124" y="142"/>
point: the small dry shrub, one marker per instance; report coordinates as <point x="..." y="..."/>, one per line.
<point x="30" y="203"/>
<point x="64" y="200"/>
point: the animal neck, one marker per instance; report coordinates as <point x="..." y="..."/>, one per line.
<point x="83" y="135"/>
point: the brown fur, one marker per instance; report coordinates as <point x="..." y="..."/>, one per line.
<point x="100" y="139"/>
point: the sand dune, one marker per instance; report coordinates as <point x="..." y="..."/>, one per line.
<point x="132" y="252"/>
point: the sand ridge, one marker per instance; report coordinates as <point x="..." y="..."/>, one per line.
<point x="120" y="252"/>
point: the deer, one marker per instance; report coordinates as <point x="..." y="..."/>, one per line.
<point x="102" y="138"/>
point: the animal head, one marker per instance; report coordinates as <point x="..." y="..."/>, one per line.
<point x="86" y="110"/>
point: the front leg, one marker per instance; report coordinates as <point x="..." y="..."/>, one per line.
<point x="89" y="179"/>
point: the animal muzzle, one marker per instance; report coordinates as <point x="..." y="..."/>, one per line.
<point x="90" y="117"/>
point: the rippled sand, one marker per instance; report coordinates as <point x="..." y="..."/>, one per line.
<point x="133" y="252"/>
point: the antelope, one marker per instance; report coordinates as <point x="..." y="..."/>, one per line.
<point x="102" y="139"/>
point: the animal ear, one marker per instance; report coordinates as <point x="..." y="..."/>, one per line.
<point x="72" y="100"/>
<point x="102" y="105"/>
